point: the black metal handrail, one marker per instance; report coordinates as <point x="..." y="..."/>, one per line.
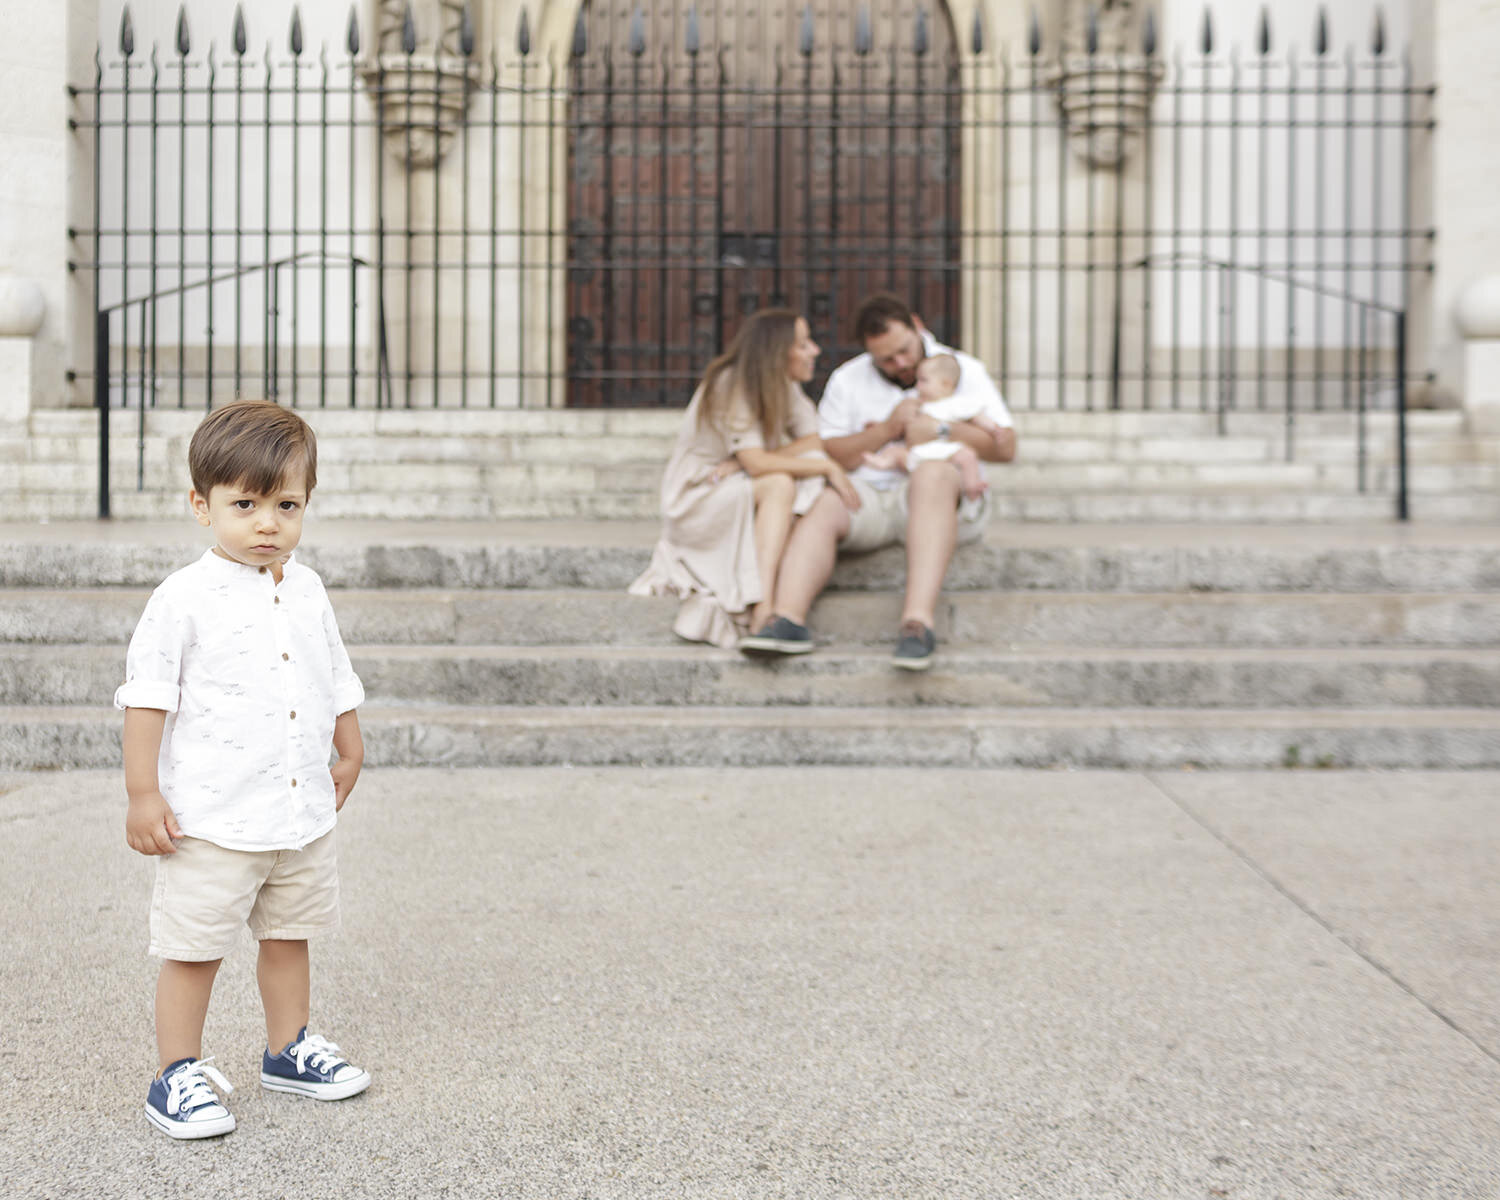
<point x="1227" y="316"/>
<point x="103" y="375"/>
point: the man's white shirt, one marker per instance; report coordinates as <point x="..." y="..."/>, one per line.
<point x="857" y="395"/>
<point x="252" y="676"/>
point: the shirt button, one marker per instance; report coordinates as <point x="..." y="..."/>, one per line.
<point x="294" y="783"/>
<point x="262" y="570"/>
<point x="294" y="714"/>
<point x="276" y="600"/>
<point x="286" y="658"/>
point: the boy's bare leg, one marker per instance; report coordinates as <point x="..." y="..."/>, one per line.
<point x="774" y="496"/>
<point x="810" y="554"/>
<point x="285" y="989"/>
<point x="931" y="535"/>
<point x="182" y="992"/>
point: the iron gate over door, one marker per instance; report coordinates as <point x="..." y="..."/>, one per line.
<point x="720" y="161"/>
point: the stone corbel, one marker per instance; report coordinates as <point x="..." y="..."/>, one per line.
<point x="422" y="76"/>
<point x="1104" y="76"/>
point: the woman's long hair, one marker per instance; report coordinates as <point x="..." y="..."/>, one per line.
<point x="754" y="366"/>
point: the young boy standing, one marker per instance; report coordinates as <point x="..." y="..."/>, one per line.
<point x="237" y="684"/>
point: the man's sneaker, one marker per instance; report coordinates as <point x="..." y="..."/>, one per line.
<point x="182" y="1104"/>
<point x="914" y="650"/>
<point x="311" y="1066"/>
<point x="779" y="635"/>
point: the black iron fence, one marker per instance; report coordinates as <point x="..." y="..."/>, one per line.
<point x="411" y="220"/>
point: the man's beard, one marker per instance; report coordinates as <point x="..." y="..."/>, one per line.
<point x="904" y="384"/>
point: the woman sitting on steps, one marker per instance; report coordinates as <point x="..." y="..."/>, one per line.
<point x="747" y="463"/>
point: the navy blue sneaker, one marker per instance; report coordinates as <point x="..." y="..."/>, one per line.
<point x="183" y="1105"/>
<point x="779" y="635"/>
<point x="311" y="1066"/>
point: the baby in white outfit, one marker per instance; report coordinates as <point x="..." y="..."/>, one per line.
<point x="937" y="381"/>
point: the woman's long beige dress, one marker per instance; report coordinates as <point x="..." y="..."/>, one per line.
<point x="706" y="555"/>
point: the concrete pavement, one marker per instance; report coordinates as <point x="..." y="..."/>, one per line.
<point x="807" y="983"/>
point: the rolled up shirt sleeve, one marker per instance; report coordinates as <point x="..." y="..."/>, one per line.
<point x="153" y="663"/>
<point x="348" y="691"/>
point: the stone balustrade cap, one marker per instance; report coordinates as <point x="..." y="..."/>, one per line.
<point x="1478" y="309"/>
<point x="22" y="306"/>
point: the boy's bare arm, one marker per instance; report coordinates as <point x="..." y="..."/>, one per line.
<point x="150" y="824"/>
<point x="350" y="747"/>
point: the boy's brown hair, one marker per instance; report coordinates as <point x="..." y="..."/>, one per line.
<point x="252" y="444"/>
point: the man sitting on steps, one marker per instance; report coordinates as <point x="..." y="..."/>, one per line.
<point x="870" y="401"/>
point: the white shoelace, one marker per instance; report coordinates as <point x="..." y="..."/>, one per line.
<point x="189" y="1090"/>
<point x="316" y="1050"/>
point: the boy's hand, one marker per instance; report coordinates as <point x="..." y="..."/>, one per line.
<point x="150" y="826"/>
<point x="345" y="771"/>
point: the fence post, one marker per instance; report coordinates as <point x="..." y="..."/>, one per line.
<point x="101" y="402"/>
<point x="1403" y="508"/>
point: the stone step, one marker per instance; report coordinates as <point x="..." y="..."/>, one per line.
<point x="1178" y="506"/>
<point x="624" y="449"/>
<point x="1138" y="739"/>
<point x="503" y="482"/>
<point x="964" y="676"/>
<point x="1186" y="421"/>
<point x="568" y="617"/>
<point x="552" y="555"/>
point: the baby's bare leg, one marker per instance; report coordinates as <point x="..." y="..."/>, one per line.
<point x="971" y="476"/>
<point x="889" y="458"/>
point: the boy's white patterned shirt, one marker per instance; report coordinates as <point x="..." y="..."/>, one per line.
<point x="252" y="675"/>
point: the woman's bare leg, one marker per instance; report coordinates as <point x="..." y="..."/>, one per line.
<point x="810" y="554"/>
<point x="774" y="496"/>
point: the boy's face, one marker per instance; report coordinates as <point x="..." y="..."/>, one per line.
<point x="932" y="383"/>
<point x="253" y="529"/>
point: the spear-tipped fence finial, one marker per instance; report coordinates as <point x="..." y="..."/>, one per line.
<point x="351" y="33"/>
<point x="238" y="38"/>
<point x="1206" y="42"/>
<point x="976" y="33"/>
<point x="921" y="39"/>
<point x="523" y="33"/>
<point x="864" y="35"/>
<point x="692" y="38"/>
<point x="184" y="39"/>
<point x="466" y="31"/>
<point x="1034" y="33"/>
<point x="580" y="34"/>
<point x="1377" y="35"/>
<point x="1091" y="35"/>
<point x="805" y="33"/>
<point x="127" y="33"/>
<point x="294" y="38"/>
<point x="1265" y="31"/>
<point x="1320" y="32"/>
<point x="1148" y="34"/>
<point x="637" y="41"/>
<point x="408" y="31"/>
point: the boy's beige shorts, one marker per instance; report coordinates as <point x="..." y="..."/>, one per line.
<point x="205" y="894"/>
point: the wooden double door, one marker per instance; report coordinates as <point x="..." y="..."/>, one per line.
<point x="728" y="157"/>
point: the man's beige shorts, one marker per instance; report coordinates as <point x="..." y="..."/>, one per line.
<point x="882" y="516"/>
<point x="205" y="894"/>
